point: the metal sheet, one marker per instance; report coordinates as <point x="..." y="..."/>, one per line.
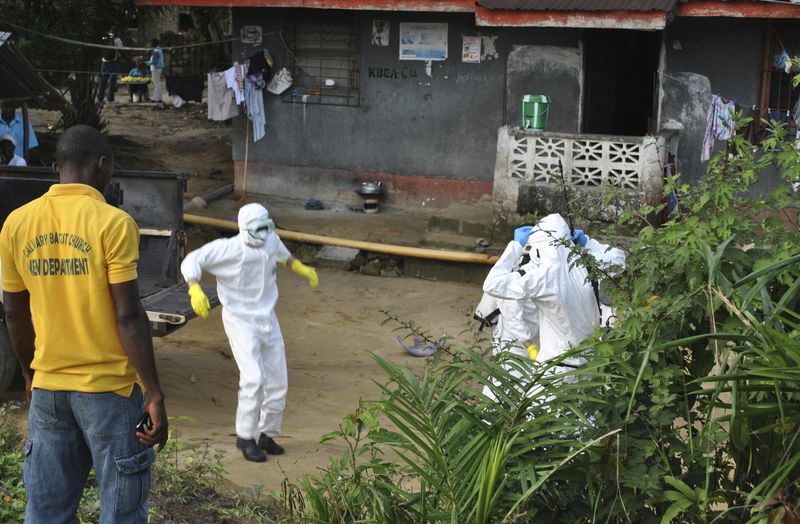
<point x="638" y="21"/>
<point x="579" y="5"/>
<point x="19" y="82"/>
<point x="175" y="300"/>
<point x="153" y="199"/>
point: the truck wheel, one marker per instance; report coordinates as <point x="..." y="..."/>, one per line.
<point x="8" y="362"/>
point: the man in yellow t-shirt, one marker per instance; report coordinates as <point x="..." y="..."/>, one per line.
<point x="81" y="335"/>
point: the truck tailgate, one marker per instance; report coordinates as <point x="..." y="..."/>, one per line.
<point x="170" y="308"/>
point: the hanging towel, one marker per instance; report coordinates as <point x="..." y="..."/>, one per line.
<point x="254" y="98"/>
<point x="719" y="124"/>
<point x="233" y="79"/>
<point x="221" y="105"/>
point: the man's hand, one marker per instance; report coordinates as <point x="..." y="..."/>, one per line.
<point x="579" y="238"/>
<point x="305" y="271"/>
<point x="521" y="234"/>
<point x="158" y="434"/>
<point x="200" y="303"/>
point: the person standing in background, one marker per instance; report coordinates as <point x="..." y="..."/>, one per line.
<point x="108" y="69"/>
<point x="12" y="124"/>
<point x="7" y="155"/>
<point x="156" y="64"/>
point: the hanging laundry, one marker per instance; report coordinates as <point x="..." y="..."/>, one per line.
<point x="221" y="103"/>
<point x="254" y="98"/>
<point x="719" y="124"/>
<point x="234" y="79"/>
<point x="259" y="68"/>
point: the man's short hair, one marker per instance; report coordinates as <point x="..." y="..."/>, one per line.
<point x="81" y="145"/>
<point x="155" y="42"/>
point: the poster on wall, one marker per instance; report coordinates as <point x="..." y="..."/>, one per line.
<point x="251" y="35"/>
<point x="380" y="33"/>
<point x="421" y="41"/>
<point x="471" y="50"/>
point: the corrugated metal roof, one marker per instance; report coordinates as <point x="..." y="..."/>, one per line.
<point x="580" y="5"/>
<point x="18" y="80"/>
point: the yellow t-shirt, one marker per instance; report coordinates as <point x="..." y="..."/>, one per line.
<point x="65" y="248"/>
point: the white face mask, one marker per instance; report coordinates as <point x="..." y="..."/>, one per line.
<point x="259" y="229"/>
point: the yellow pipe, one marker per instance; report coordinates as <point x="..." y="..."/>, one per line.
<point x="373" y="247"/>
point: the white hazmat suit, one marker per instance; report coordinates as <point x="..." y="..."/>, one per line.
<point x="567" y="308"/>
<point x="245" y="269"/>
<point x="543" y="302"/>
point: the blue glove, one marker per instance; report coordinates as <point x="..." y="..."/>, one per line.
<point x="521" y="234"/>
<point x="579" y="238"/>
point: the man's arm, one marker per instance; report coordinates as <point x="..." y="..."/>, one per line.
<point x="20" y="330"/>
<point x="134" y="332"/>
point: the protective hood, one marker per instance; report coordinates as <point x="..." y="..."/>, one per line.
<point x="250" y="217"/>
<point x="547" y="235"/>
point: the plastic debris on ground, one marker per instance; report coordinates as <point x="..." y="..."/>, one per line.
<point x="420" y="347"/>
<point x="312" y="204"/>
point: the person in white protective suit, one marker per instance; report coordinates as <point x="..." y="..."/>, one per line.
<point x="245" y="268"/>
<point x="544" y="305"/>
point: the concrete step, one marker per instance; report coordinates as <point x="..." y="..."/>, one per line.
<point x="478" y="227"/>
<point x="439" y="239"/>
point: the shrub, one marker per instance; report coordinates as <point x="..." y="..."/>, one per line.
<point x="686" y="411"/>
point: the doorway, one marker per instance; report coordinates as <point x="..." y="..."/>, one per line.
<point x="620" y="81"/>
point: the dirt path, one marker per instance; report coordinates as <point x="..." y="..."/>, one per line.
<point x="328" y="333"/>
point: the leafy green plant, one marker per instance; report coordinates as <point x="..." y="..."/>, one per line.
<point x="686" y="411"/>
<point x="12" y="492"/>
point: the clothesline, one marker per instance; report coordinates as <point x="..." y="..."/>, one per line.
<point x="124" y="48"/>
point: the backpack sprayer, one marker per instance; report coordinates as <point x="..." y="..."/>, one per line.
<point x="595" y="285"/>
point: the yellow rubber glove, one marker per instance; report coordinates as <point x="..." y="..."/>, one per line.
<point x="533" y="352"/>
<point x="305" y="271"/>
<point x="199" y="300"/>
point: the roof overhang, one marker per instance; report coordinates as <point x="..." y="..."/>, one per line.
<point x="19" y="82"/>
<point x="643" y="21"/>
<point x="717" y="8"/>
<point x="464" y="6"/>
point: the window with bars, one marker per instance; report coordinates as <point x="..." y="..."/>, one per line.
<point x="778" y="97"/>
<point x="324" y="60"/>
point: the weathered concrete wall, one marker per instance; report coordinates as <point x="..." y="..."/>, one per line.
<point x="547" y="70"/>
<point x="413" y="121"/>
<point x="705" y="56"/>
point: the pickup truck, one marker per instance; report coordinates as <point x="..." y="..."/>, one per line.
<point x="155" y="201"/>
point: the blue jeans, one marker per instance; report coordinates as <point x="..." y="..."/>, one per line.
<point x="108" y="77"/>
<point x="68" y="431"/>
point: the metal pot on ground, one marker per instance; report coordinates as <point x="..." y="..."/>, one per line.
<point x="371" y="192"/>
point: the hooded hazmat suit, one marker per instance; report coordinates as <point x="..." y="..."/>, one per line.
<point x="567" y="309"/>
<point x="545" y="290"/>
<point x="245" y="269"/>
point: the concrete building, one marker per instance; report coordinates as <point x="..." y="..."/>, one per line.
<point x="424" y="95"/>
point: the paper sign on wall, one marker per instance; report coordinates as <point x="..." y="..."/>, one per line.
<point x="471" y="50"/>
<point x="380" y="33"/>
<point x="421" y="41"/>
<point x="251" y="34"/>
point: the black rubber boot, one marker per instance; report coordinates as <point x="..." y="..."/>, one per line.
<point x="250" y="450"/>
<point x="270" y="446"/>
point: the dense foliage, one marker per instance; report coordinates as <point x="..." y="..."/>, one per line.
<point x="686" y="411"/>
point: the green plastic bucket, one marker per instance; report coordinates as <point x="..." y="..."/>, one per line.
<point x="534" y="111"/>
